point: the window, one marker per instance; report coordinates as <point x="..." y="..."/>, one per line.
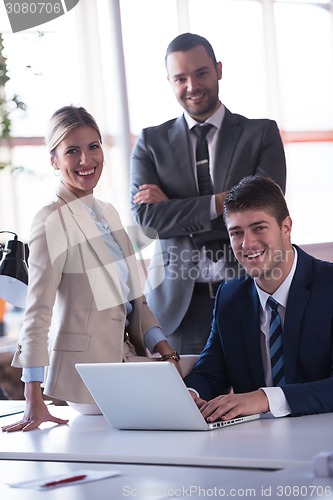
<point x="277" y="62"/>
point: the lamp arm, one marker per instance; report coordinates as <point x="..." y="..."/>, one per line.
<point x="10" y="232"/>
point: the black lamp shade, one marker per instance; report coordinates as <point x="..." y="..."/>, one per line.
<point x="14" y="274"/>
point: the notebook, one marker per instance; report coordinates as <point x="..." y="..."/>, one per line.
<point x="11" y="407"/>
<point x="147" y="395"/>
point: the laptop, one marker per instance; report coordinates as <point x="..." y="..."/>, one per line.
<point x="146" y="396"/>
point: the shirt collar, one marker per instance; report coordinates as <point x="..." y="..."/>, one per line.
<point x="281" y="294"/>
<point x="215" y="119"/>
<point x="93" y="209"/>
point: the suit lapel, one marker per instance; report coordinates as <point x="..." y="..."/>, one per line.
<point x="250" y="316"/>
<point x="227" y="141"/>
<point x="87" y="226"/>
<point x="86" y="234"/>
<point x="298" y="298"/>
<point x="178" y="137"/>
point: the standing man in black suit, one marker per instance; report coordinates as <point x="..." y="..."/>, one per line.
<point x="165" y="192"/>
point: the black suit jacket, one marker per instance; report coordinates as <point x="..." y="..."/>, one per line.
<point x="162" y="156"/>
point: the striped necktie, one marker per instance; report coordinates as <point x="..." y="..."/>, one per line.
<point x="275" y="343"/>
<point x="202" y="159"/>
<point x="213" y="248"/>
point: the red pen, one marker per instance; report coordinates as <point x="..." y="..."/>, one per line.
<point x="64" y="481"/>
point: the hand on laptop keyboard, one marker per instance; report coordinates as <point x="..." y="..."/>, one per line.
<point x="230" y="406"/>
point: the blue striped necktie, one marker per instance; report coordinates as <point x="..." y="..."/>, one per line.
<point x="275" y="343"/>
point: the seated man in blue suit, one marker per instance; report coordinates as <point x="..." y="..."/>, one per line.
<point x="238" y="353"/>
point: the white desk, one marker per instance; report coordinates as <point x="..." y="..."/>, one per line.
<point x="150" y="482"/>
<point x="263" y="444"/>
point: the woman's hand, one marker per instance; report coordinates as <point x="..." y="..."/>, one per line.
<point x="35" y="413"/>
<point x="165" y="350"/>
<point x="177" y="365"/>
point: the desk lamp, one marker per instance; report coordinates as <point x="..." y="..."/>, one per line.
<point x="13" y="272"/>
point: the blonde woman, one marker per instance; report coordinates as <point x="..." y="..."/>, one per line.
<point x="84" y="301"/>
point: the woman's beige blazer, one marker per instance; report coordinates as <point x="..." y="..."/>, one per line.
<point x="75" y="311"/>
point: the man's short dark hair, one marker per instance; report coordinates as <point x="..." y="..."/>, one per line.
<point x="257" y="193"/>
<point x="187" y="41"/>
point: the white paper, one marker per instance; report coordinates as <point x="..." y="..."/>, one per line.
<point x="11" y="407"/>
<point x="40" y="484"/>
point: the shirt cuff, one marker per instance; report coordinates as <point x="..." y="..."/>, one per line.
<point x="33" y="374"/>
<point x="213" y="213"/>
<point x="152" y="337"/>
<point x="195" y="391"/>
<point x="278" y="404"/>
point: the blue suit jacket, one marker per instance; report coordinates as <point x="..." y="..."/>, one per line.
<point x="232" y="356"/>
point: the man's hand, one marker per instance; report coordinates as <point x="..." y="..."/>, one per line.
<point x="197" y="399"/>
<point x="149" y="193"/>
<point x="232" y="405"/>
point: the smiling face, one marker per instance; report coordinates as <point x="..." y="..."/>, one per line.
<point x="79" y="158"/>
<point x="261" y="246"/>
<point x="194" y="79"/>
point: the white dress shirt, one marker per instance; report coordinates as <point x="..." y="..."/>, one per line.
<point x="208" y="270"/>
<point x="278" y="404"/>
